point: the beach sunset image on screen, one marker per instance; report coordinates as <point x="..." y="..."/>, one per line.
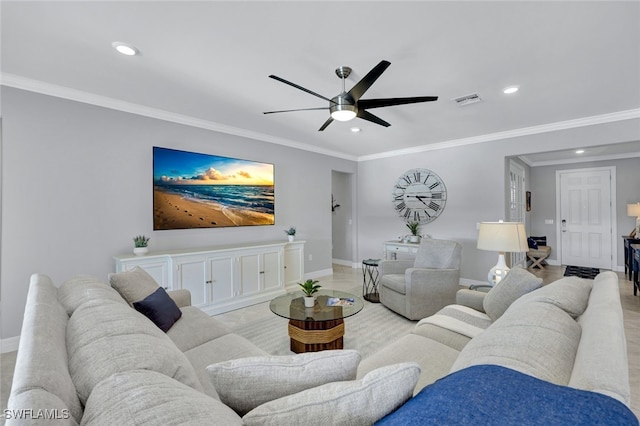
<point x="193" y="190"/>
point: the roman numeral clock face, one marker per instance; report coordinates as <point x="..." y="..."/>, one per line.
<point x="419" y="196"/>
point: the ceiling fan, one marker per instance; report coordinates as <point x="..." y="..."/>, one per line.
<point x="348" y="105"/>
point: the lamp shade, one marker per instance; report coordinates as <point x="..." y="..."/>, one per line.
<point x="633" y="210"/>
<point x="502" y="237"/>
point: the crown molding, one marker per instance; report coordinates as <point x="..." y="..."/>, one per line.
<point x="37" y="86"/>
<point x="580" y="160"/>
<point x="23" y="83"/>
<point x="509" y="134"/>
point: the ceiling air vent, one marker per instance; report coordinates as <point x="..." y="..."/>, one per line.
<point x="468" y="99"/>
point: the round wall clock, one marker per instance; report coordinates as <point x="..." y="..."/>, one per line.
<point x="419" y="196"/>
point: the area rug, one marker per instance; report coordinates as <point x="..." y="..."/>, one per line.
<point x="582" y="272"/>
<point x="367" y="331"/>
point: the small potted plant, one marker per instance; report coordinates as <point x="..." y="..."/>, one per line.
<point x="140" y="245"/>
<point x="309" y="288"/>
<point x="291" y="232"/>
<point x="413" y="227"/>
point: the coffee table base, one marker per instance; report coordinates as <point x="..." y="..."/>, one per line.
<point x="314" y="336"/>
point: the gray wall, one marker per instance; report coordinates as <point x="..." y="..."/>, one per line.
<point x="543" y="182"/>
<point x="475" y="177"/>
<point x="77" y="186"/>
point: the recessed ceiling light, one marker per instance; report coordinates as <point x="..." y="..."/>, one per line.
<point x="580" y="151"/>
<point x="356" y="129"/>
<point x="125" y="48"/>
<point x="511" y="89"/>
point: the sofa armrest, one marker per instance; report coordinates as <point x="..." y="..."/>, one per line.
<point x="182" y="297"/>
<point x="394" y="266"/>
<point x="471" y="298"/>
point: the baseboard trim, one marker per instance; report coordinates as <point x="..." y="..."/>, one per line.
<point x="342" y="262"/>
<point x="317" y="274"/>
<point x="9" y="344"/>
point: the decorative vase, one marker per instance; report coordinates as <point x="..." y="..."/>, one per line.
<point x="309" y="301"/>
<point x="414" y="239"/>
<point x="140" y="251"/>
<point x="291" y="238"/>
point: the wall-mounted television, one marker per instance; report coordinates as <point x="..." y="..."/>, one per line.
<point x="193" y="190"/>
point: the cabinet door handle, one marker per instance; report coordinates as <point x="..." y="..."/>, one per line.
<point x="262" y="272"/>
<point x="209" y="282"/>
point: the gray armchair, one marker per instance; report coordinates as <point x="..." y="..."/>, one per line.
<point x="420" y="288"/>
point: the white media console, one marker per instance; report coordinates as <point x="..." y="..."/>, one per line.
<point x="224" y="278"/>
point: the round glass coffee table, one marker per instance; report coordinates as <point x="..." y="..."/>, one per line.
<point x="318" y="328"/>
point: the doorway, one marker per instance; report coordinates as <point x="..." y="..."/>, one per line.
<point x="342" y="214"/>
<point x="586" y="216"/>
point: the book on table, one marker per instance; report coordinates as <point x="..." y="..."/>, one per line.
<point x="340" y="301"/>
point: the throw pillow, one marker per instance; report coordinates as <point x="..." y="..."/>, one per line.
<point x="358" y="402"/>
<point x="159" y="308"/>
<point x="517" y="283"/>
<point x="532" y="243"/>
<point x="133" y="285"/>
<point x="246" y="383"/>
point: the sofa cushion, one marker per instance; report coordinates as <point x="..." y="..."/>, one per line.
<point x="105" y="337"/>
<point x="245" y="383"/>
<point x="142" y="397"/>
<point x="195" y="328"/>
<point x="224" y="348"/>
<point x="159" y="308"/>
<point x="534" y="338"/>
<point x="571" y="294"/>
<point x="517" y="283"/>
<point x="453" y="325"/>
<point x="359" y="402"/>
<point x="82" y="288"/>
<point x="602" y="338"/>
<point x="41" y="377"/>
<point x="133" y="285"/>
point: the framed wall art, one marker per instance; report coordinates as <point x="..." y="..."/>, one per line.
<point x="194" y="190"/>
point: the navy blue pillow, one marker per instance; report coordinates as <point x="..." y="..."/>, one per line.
<point x="159" y="308"/>
<point x="532" y="243"/>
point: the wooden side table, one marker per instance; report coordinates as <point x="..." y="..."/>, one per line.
<point x="635" y="267"/>
<point x="628" y="254"/>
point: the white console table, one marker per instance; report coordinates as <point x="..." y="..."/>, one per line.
<point x="224" y="278"/>
<point x="393" y="248"/>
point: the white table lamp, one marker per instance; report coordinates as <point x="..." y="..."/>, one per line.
<point x="634" y="210"/>
<point x="502" y="237"/>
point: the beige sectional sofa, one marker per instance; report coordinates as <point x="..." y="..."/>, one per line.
<point x="89" y="358"/>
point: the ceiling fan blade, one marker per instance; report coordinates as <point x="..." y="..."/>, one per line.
<point x="365" y="115"/>
<point x="293" y="110"/>
<point x="366" y="82"/>
<point x="377" y="103"/>
<point x="282" y="80"/>
<point x="326" y="123"/>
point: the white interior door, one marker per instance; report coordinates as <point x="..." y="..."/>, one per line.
<point x="585" y="217"/>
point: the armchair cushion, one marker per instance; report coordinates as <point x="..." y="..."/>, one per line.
<point x="395" y="282"/>
<point x="438" y="254"/>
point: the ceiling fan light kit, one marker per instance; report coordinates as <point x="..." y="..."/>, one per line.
<point x="348" y="105"/>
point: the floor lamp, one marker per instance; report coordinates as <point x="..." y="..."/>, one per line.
<point x="502" y="237"/>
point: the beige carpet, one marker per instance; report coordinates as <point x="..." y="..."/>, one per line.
<point x="367" y="331"/>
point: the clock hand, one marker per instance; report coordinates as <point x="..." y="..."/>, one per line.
<point x="421" y="199"/>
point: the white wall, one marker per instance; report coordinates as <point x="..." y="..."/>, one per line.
<point x="77" y="186"/>
<point x="475" y="179"/>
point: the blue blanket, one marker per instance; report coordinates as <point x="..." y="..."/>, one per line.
<point x="494" y="395"/>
